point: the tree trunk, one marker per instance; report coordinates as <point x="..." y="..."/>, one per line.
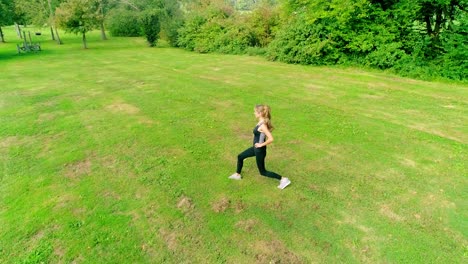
<point x="2" y="39"/>
<point x="52" y="33"/>
<point x="103" y="32"/>
<point x="84" y="41"/>
<point x="52" y="22"/>
<point x="438" y="22"/>
<point x="428" y="24"/>
<point x="59" y="41"/>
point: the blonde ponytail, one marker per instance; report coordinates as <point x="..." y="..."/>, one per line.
<point x="265" y="112"/>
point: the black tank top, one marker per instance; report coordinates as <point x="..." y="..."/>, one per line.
<point x="259" y="137"/>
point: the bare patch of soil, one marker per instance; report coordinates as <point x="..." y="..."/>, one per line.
<point x="123" y="108"/>
<point x="388" y="212"/>
<point x="78" y="169"/>
<point x="408" y="162"/>
<point x="221" y="205"/>
<point x="274" y="252"/>
<point x="239" y="207"/>
<point x="170" y="238"/>
<point x="185" y="204"/>
<point x="14" y="141"/>
<point x="247" y="225"/>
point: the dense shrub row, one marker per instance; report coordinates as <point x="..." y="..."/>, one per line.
<point x="420" y="38"/>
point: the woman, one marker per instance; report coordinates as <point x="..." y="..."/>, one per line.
<point x="261" y="132"/>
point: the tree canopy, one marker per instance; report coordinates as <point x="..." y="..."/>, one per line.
<point x="78" y="16"/>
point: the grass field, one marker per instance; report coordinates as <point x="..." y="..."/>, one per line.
<point x="121" y="153"/>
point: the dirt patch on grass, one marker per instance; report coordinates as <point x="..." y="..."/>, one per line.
<point x="59" y="251"/>
<point x="436" y="200"/>
<point x="9" y="141"/>
<point x="44" y="117"/>
<point x="274" y="252"/>
<point x="79" y="212"/>
<point x="221" y="205"/>
<point x="37" y="237"/>
<point x="112" y="195"/>
<point x="47" y="144"/>
<point x="78" y="259"/>
<point x="146" y="121"/>
<point x="170" y="238"/>
<point x="150" y="213"/>
<point x="123" y="108"/>
<point x="314" y="188"/>
<point x="239" y="207"/>
<point x="109" y="162"/>
<point x="78" y="169"/>
<point x="247" y="225"/>
<point x="385" y="210"/>
<point x="312" y="86"/>
<point x="408" y="162"/>
<point x="185" y="204"/>
<point x="63" y="201"/>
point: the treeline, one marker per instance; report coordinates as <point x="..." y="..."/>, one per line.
<point x="417" y="38"/>
<point x="124" y="17"/>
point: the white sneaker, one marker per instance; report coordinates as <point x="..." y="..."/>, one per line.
<point x="283" y="183"/>
<point x="235" y="176"/>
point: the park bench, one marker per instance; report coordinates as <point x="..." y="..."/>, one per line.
<point x="28" y="47"/>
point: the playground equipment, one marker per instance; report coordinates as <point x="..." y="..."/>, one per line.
<point x="26" y="46"/>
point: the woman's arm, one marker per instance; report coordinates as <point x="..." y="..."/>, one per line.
<point x="264" y="129"/>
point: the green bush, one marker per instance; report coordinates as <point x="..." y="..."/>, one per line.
<point x="218" y="28"/>
<point x="455" y="59"/>
<point x="171" y="19"/>
<point x="385" y="56"/>
<point x="380" y="35"/>
<point x="304" y="43"/>
<point x="189" y="32"/>
<point x="124" y="23"/>
<point x="150" y="26"/>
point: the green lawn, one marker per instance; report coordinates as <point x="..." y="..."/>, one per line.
<point x="121" y="153"/>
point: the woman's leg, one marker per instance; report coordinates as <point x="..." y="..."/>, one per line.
<point x="260" y="154"/>
<point x="241" y="157"/>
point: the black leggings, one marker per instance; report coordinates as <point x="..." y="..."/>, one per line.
<point x="260" y="154"/>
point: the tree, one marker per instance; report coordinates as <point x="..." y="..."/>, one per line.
<point x="170" y="15"/>
<point x="40" y="12"/>
<point x="151" y="26"/>
<point x="6" y="16"/>
<point x="78" y="16"/>
<point x="104" y="6"/>
<point x="101" y="18"/>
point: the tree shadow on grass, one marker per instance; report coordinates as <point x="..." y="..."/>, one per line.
<point x="10" y="54"/>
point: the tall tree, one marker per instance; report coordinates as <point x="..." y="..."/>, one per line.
<point x="151" y="26"/>
<point x="6" y="16"/>
<point x="52" y="21"/>
<point x="101" y="17"/>
<point x="78" y="16"/>
<point x="104" y="6"/>
<point x="438" y="15"/>
<point x="40" y="12"/>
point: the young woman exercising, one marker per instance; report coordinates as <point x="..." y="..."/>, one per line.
<point x="261" y="132"/>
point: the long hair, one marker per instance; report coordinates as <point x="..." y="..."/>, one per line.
<point x="265" y="113"/>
